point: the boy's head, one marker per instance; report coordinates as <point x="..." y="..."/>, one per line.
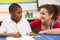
<point x="15" y="11"/>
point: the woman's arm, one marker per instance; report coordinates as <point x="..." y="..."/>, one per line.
<point x="52" y="31"/>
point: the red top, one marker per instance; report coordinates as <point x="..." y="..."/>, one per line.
<point x="57" y="25"/>
<point x="37" y="24"/>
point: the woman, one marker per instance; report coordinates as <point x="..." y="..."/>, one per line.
<point x="46" y="20"/>
<point x="57" y="24"/>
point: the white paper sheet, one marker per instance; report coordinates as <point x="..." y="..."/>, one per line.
<point x="22" y="38"/>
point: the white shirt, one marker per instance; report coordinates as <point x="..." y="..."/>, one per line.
<point x="10" y="26"/>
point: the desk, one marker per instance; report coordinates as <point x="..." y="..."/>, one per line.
<point x="22" y="38"/>
<point x="48" y="37"/>
<point x="2" y="38"/>
<point x="41" y="37"/>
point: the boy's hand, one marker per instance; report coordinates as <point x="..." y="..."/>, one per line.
<point x="33" y="34"/>
<point x="17" y="35"/>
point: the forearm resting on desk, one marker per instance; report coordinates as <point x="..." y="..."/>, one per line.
<point x="52" y="31"/>
<point x="13" y="35"/>
<point x="2" y="34"/>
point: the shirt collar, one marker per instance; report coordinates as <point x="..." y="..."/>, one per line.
<point x="10" y="20"/>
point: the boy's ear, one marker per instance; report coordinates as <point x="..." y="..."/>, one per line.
<point x="11" y="13"/>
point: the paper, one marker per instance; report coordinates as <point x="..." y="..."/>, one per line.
<point x="22" y="38"/>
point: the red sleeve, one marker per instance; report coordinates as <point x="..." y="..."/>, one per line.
<point x="57" y="25"/>
<point x="36" y="24"/>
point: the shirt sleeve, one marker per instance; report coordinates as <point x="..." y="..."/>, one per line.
<point x="57" y="25"/>
<point x="36" y="24"/>
<point x="3" y="27"/>
<point x="28" y="27"/>
<point x="33" y="24"/>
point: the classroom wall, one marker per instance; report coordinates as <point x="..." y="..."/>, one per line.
<point x="30" y="6"/>
<point x="41" y="2"/>
<point x="25" y="6"/>
<point x="6" y="15"/>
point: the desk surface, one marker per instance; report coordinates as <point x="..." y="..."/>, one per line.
<point x="2" y="38"/>
<point x="41" y="37"/>
<point x="22" y="38"/>
<point x="48" y="37"/>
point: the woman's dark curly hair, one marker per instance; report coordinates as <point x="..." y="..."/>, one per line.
<point x="52" y="9"/>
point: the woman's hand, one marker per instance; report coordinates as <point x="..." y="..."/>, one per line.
<point x="46" y="32"/>
<point x="41" y="32"/>
<point x="33" y="34"/>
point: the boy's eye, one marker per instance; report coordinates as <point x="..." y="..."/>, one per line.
<point x="42" y="13"/>
<point x="19" y="12"/>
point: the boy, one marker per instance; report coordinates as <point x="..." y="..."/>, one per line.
<point x="16" y="25"/>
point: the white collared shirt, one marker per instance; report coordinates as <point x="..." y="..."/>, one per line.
<point x="22" y="26"/>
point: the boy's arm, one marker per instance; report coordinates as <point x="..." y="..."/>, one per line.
<point x="2" y="34"/>
<point x="11" y="35"/>
<point x="14" y="35"/>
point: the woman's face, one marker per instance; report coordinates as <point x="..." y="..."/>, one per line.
<point x="45" y="16"/>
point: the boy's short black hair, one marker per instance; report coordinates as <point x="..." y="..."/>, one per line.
<point x="13" y="7"/>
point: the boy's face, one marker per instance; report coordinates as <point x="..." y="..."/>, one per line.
<point x="17" y="14"/>
<point x="45" y="16"/>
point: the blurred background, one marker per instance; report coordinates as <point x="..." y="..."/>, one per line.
<point x="29" y="7"/>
